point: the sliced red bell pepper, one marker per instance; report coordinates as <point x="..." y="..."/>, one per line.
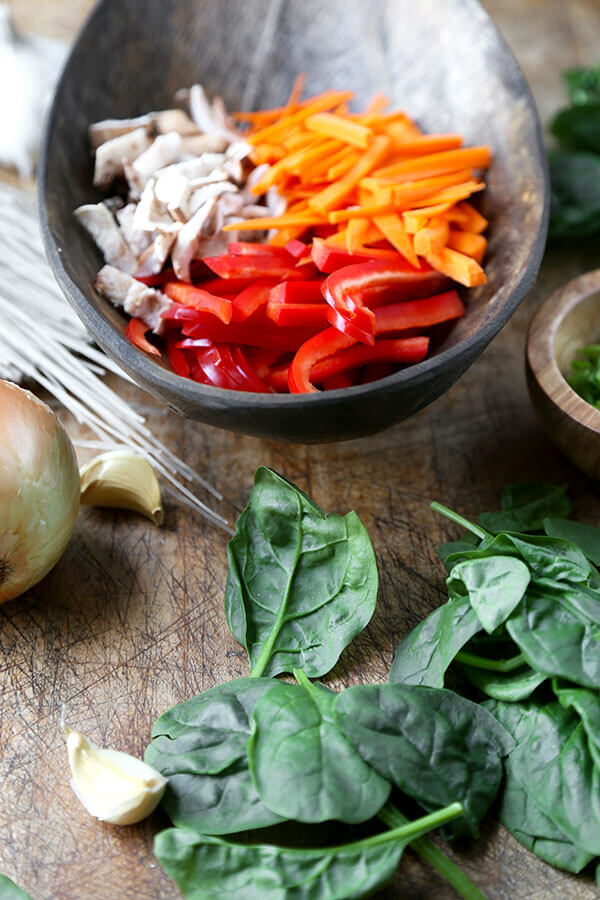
<point x="255" y="266"/>
<point x="197" y="271"/>
<point x="136" y="333"/>
<point x="418" y="313"/>
<point x="226" y="286"/>
<point x="278" y="378"/>
<point x="228" y="369"/>
<point x="397" y="350"/>
<point x="339" y="380"/>
<point x="297" y="249"/>
<point x="329" y="259"/>
<point x="297" y="292"/>
<point x="358" y="324"/>
<point x="178" y="359"/>
<point x="249" y="248"/>
<point x="379" y="280"/>
<point x="281" y="339"/>
<point x="262" y="360"/>
<point x="318" y="347"/>
<point x="306" y="315"/>
<point x="199" y="299"/>
<point x="252" y="298"/>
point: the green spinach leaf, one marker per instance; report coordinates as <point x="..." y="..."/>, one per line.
<point x="507" y="686"/>
<point x="303" y="765"/>
<point x="209" y="868"/>
<point x="575" y="194"/>
<point x="435" y="746"/>
<point x="525" y="506"/>
<point x="586" y="537"/>
<point x="10" y="891"/>
<point x="586" y="704"/>
<point x="424" y="655"/>
<point x="301" y="585"/>
<point x="200" y="746"/>
<point x="552" y="763"/>
<point x="494" y="586"/>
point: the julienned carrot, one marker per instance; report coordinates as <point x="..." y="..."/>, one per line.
<point x="340" y="128"/>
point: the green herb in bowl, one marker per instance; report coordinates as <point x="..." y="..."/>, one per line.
<point x="585" y="377"/>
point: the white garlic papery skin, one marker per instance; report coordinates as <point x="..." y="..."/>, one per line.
<point x="113" y="786"/>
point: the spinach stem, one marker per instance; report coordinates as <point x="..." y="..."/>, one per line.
<point x="491" y="665"/>
<point x="481" y="533"/>
<point x="405" y="831"/>
<point x="437" y="859"/>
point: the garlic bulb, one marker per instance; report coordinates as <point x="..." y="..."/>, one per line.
<point x="123" y="479"/>
<point x="113" y="786"/>
<point x="39" y="490"/>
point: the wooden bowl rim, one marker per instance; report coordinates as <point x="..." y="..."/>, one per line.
<point x="541" y="358"/>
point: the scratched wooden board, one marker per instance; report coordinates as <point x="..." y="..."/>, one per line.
<point x="131" y="620"/>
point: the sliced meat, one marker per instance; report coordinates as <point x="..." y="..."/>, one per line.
<point x="154" y="258"/>
<point x="151" y="214"/>
<point x="190" y="238"/>
<point x="112" y="155"/>
<point x="99" y="222"/>
<point x="135" y="298"/>
<point x="138" y="241"/>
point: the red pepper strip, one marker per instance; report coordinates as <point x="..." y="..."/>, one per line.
<point x="329" y="259"/>
<point x="398" y="350"/>
<point x="359" y="325"/>
<point x="177" y="358"/>
<point x="375" y="371"/>
<point x="297" y="292"/>
<point x="418" y="313"/>
<point x="282" y="339"/>
<point x="278" y="378"/>
<point x="255" y="383"/>
<point x="248" y="248"/>
<point x="251" y="299"/>
<point x="340" y="380"/>
<point x="216" y="370"/>
<point x="318" y="347"/>
<point x="309" y="315"/>
<point x="200" y="300"/>
<point x="197" y="267"/>
<point x="256" y="266"/>
<point x="136" y="333"/>
<point x="226" y="285"/>
<point x="297" y="249"/>
<point x="262" y="359"/>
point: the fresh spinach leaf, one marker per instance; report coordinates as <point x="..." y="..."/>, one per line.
<point x="574" y="195"/>
<point x="525" y="506"/>
<point x="552" y="763"/>
<point x="586" y="704"/>
<point x="424" y="655"/>
<point x="509" y="686"/>
<point x="577" y="127"/>
<point x="435" y="746"/>
<point x="303" y="766"/>
<point x="555" y="638"/>
<point x="10" y="891"/>
<point x="454" y="549"/>
<point x="200" y="746"/>
<point x="207" y="868"/>
<point x="583" y="84"/>
<point x="586" y="537"/>
<point x="301" y="585"/>
<point x="494" y="586"/>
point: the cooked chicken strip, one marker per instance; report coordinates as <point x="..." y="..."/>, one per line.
<point x="135" y="298"/>
<point x="97" y="219"/>
<point x="112" y="155"/>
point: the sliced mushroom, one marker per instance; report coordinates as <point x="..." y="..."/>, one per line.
<point x="99" y="222"/>
<point x="154" y="258"/>
<point x="112" y="155"/>
<point x="197" y="144"/>
<point x="212" y="117"/>
<point x="138" y="241"/>
<point x="135" y="298"/>
<point x="190" y="237"/>
<point x="160" y="122"/>
<point x="164" y="150"/>
<point x="151" y="214"/>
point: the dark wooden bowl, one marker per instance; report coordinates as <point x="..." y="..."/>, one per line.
<point x="444" y="63"/>
<point x="567" y="321"/>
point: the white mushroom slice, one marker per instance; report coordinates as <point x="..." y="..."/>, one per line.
<point x="240" y="150"/>
<point x="135" y="298"/>
<point x="255" y="176"/>
<point x="153" y="259"/>
<point x="189" y="238"/>
<point x="217" y="244"/>
<point x="276" y="204"/>
<point x="211" y="117"/>
<point x="229" y="206"/>
<point x="137" y="240"/>
<point x="197" y="144"/>
<point x="200" y="195"/>
<point x="173" y="120"/>
<point x="164" y="150"/>
<point x="97" y="219"/>
<point x="151" y="214"/>
<point x="100" y="132"/>
<point x="112" y="155"/>
<point x="235" y="170"/>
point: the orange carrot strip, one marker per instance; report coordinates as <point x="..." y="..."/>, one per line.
<point x="457" y="266"/>
<point x="468" y="243"/>
<point x="432" y="238"/>
<point x="456" y="193"/>
<point x="333" y="195"/>
<point x="323" y="102"/>
<point x="392" y="228"/>
<point x="415" y="219"/>
<point x="344" y="130"/>
<point x="377" y="104"/>
<point x="468" y="218"/>
<point x="437" y="164"/>
<point x="426" y="143"/>
<point x="355" y="234"/>
<point x="287" y="219"/>
<point x="267" y="115"/>
<point x="358" y="212"/>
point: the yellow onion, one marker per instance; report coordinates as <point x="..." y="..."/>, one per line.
<point x="39" y="490"/>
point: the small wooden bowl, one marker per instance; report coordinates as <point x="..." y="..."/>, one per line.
<point x="567" y="321"/>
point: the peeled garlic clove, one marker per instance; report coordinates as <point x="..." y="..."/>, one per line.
<point x="113" y="786"/>
<point x="122" y="479"/>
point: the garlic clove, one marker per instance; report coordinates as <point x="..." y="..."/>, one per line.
<point x="122" y="479"/>
<point x="113" y="786"/>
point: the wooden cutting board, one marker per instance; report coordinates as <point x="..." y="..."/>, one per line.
<point x="131" y="620"/>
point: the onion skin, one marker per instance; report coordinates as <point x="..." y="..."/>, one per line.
<point x="39" y="490"/>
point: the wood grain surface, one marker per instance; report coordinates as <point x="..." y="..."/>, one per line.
<point x="131" y="620"/>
